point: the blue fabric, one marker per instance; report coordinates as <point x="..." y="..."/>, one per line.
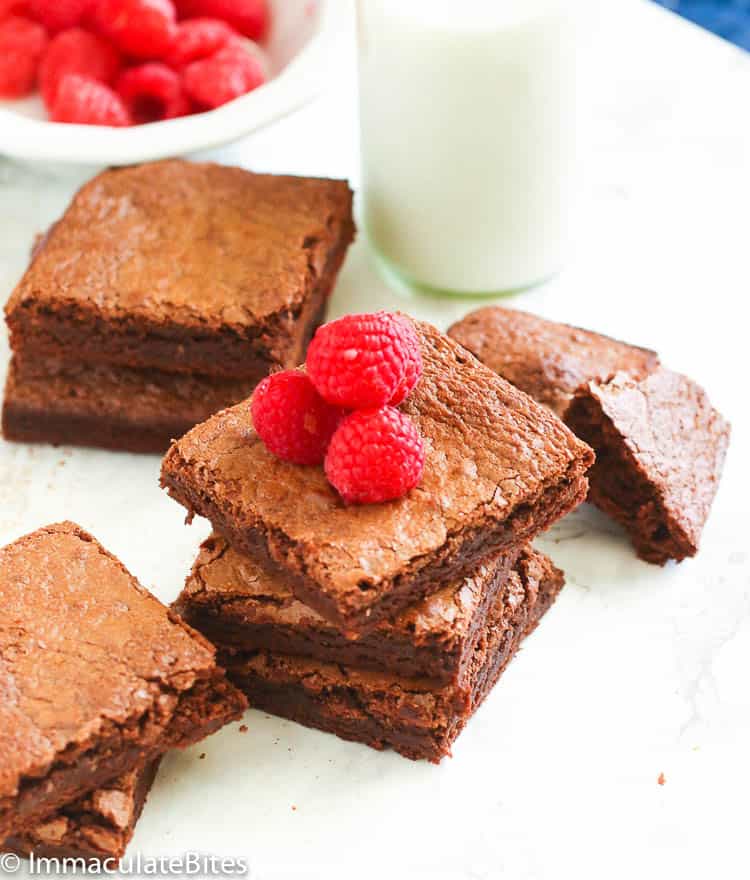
<point x="727" y="18"/>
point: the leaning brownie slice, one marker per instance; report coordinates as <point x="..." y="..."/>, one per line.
<point x="499" y="468"/>
<point x="186" y="267"/>
<point x="97" y="677"/>
<point x="239" y="603"/>
<point x="546" y="359"/>
<point x="96" y="828"/>
<point x="417" y="717"/>
<point x="119" y="408"/>
<point x="660" y="449"/>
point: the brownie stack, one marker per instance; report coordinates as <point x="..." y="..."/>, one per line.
<point x="98" y="680"/>
<point x="165" y="293"/>
<point x="386" y="624"/>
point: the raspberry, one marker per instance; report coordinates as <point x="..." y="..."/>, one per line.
<point x="13" y="7"/>
<point x="198" y="38"/>
<point x="361" y="360"/>
<point x="76" y="51"/>
<point x="57" y="15"/>
<point x="152" y="92"/>
<point x="141" y="28"/>
<point x="375" y="455"/>
<point x="292" y="419"/>
<point x="249" y="17"/>
<point x="87" y="102"/>
<point x="413" y="365"/>
<point x="222" y="77"/>
<point x="22" y="43"/>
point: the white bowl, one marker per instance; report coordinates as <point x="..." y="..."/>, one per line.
<point x="300" y="50"/>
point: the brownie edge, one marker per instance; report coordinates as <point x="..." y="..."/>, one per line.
<point x="660" y="448"/>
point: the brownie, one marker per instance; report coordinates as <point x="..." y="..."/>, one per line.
<point x="499" y="468"/>
<point x="546" y="359"/>
<point x="97" y="677"/>
<point x="189" y="267"/>
<point x="417" y="717"/>
<point x="95" y="828"/>
<point x="237" y="601"/>
<point x="121" y="408"/>
<point x="660" y="449"/>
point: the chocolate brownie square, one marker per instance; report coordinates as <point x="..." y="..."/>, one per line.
<point x="499" y="468"/>
<point x="187" y="267"/>
<point x="97" y="677"/>
<point x="417" y="717"/>
<point x="660" y="449"/>
<point x="97" y="828"/>
<point x="119" y="408"/>
<point x="546" y="359"/>
<point x="237" y="602"/>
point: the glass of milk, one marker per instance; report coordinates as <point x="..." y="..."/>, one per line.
<point x="466" y="110"/>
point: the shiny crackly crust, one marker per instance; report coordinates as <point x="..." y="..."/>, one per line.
<point x="185" y="266"/>
<point x="236" y="601"/>
<point x="418" y="718"/>
<point x="546" y="359"/>
<point x="660" y="449"/>
<point x="96" y="675"/>
<point x="499" y="468"/>
<point x="98" y="827"/>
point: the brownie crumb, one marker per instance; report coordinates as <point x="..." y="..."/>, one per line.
<point x="201" y="756"/>
<point x="243" y="728"/>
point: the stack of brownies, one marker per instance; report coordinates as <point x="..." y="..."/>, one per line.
<point x="164" y="293"/>
<point x="388" y="623"/>
<point x="98" y="680"/>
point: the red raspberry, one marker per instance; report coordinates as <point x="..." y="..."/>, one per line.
<point x="361" y="360"/>
<point x="292" y="419"/>
<point x="76" y="51"/>
<point x="141" y="28"/>
<point x="249" y="17"/>
<point x="222" y="77"/>
<point x="57" y="15"/>
<point x="198" y="38"/>
<point x="13" y="7"/>
<point x="375" y="455"/>
<point x="152" y="92"/>
<point x="22" y="43"/>
<point x="87" y="102"/>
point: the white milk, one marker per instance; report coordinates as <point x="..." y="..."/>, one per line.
<point x="467" y="123"/>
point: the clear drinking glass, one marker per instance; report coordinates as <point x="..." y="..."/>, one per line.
<point x="466" y="113"/>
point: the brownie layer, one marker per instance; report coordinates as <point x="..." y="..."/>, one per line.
<point x="96" y="828"/>
<point x="116" y="408"/>
<point x="186" y="267"/>
<point x="96" y="675"/>
<point x="235" y="600"/>
<point x="546" y="359"/>
<point x="418" y="718"/>
<point x="499" y="469"/>
<point x="660" y="449"/>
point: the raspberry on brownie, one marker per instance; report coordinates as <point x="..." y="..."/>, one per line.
<point x="186" y="267"/>
<point x="498" y="469"/>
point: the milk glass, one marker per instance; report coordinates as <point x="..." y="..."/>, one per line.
<point x="466" y="110"/>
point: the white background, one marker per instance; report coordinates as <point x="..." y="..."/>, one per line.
<point x="637" y="670"/>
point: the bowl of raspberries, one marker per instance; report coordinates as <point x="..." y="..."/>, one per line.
<point x="122" y="81"/>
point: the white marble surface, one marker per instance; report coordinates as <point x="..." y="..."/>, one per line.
<point x="637" y="670"/>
